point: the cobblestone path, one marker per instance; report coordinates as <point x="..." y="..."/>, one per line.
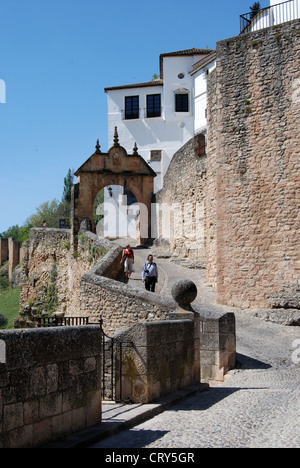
<point x="258" y="405"/>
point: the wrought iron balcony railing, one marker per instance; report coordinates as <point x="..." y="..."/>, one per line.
<point x="270" y="16"/>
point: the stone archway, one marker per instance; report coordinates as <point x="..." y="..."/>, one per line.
<point x="115" y="167"/>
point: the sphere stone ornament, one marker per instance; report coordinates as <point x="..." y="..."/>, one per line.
<point x="184" y="292"/>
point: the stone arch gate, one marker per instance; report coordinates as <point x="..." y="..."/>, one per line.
<point x="115" y="167"/>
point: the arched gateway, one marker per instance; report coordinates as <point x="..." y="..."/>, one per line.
<point x="115" y="167"/>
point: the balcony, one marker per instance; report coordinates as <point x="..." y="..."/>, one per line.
<point x="271" y="16"/>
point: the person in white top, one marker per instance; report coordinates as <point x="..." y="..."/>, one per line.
<point x="150" y="274"/>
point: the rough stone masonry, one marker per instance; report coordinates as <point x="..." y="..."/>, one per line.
<point x="253" y="167"/>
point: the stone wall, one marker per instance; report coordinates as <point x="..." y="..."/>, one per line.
<point x="13" y="252"/>
<point x="91" y="291"/>
<point x="181" y="202"/>
<point x="50" y="384"/>
<point x="217" y="344"/>
<point x="119" y="305"/>
<point x="211" y="181"/>
<point x="52" y="270"/>
<point x="159" y="361"/>
<point x="254" y="166"/>
<point x="3" y="251"/>
<point x="13" y="255"/>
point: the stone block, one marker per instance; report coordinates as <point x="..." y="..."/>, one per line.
<point x="13" y="416"/>
<point x="35" y="407"/>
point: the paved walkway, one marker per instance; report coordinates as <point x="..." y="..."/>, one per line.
<point x="258" y="405"/>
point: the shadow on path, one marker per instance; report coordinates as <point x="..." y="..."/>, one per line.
<point x="246" y="362"/>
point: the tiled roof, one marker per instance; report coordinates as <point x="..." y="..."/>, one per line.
<point x="137" y="85"/>
<point x="203" y="62"/>
<point x="187" y="52"/>
<point x="159" y="82"/>
<point x="181" y="53"/>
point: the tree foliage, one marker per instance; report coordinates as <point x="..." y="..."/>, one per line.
<point x="50" y="212"/>
<point x="68" y="184"/>
<point x="255" y="8"/>
<point x="3" y="320"/>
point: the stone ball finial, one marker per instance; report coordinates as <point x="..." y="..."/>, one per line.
<point x="184" y="292"/>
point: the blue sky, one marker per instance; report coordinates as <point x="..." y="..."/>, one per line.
<point x="56" y="58"/>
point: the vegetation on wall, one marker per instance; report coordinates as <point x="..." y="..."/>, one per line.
<point x="51" y="299"/>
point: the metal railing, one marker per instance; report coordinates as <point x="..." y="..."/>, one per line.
<point x="62" y="321"/>
<point x="113" y="354"/>
<point x="270" y="16"/>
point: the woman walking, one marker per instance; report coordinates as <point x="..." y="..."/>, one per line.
<point x="128" y="259"/>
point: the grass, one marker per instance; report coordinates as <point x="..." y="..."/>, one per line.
<point x="9" y="297"/>
<point x="10" y="304"/>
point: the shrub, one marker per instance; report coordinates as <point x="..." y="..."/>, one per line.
<point x="3" y="321"/>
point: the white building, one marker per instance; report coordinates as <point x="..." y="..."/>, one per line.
<point x="160" y="116"/>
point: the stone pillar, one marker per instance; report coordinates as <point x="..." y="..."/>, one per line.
<point x="14" y="256"/>
<point x="214" y="334"/>
<point x="184" y="292"/>
<point x="3" y="251"/>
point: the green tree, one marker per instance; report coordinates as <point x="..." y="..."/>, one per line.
<point x="12" y="231"/>
<point x="48" y="212"/>
<point x="68" y="184"/>
<point x="255" y="8"/>
<point x="65" y="206"/>
<point x="19" y="233"/>
<point x="3" y="320"/>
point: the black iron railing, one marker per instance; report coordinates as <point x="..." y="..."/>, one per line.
<point x="62" y="321"/>
<point x="270" y="16"/>
<point x="113" y="354"/>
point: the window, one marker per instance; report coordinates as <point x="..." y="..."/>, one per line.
<point x="153" y="105"/>
<point x="131" y="107"/>
<point x="155" y="155"/>
<point x="181" y="102"/>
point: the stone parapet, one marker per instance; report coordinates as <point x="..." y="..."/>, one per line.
<point x="119" y="306"/>
<point x="50" y="384"/>
<point x="217" y="344"/>
<point x="159" y="361"/>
